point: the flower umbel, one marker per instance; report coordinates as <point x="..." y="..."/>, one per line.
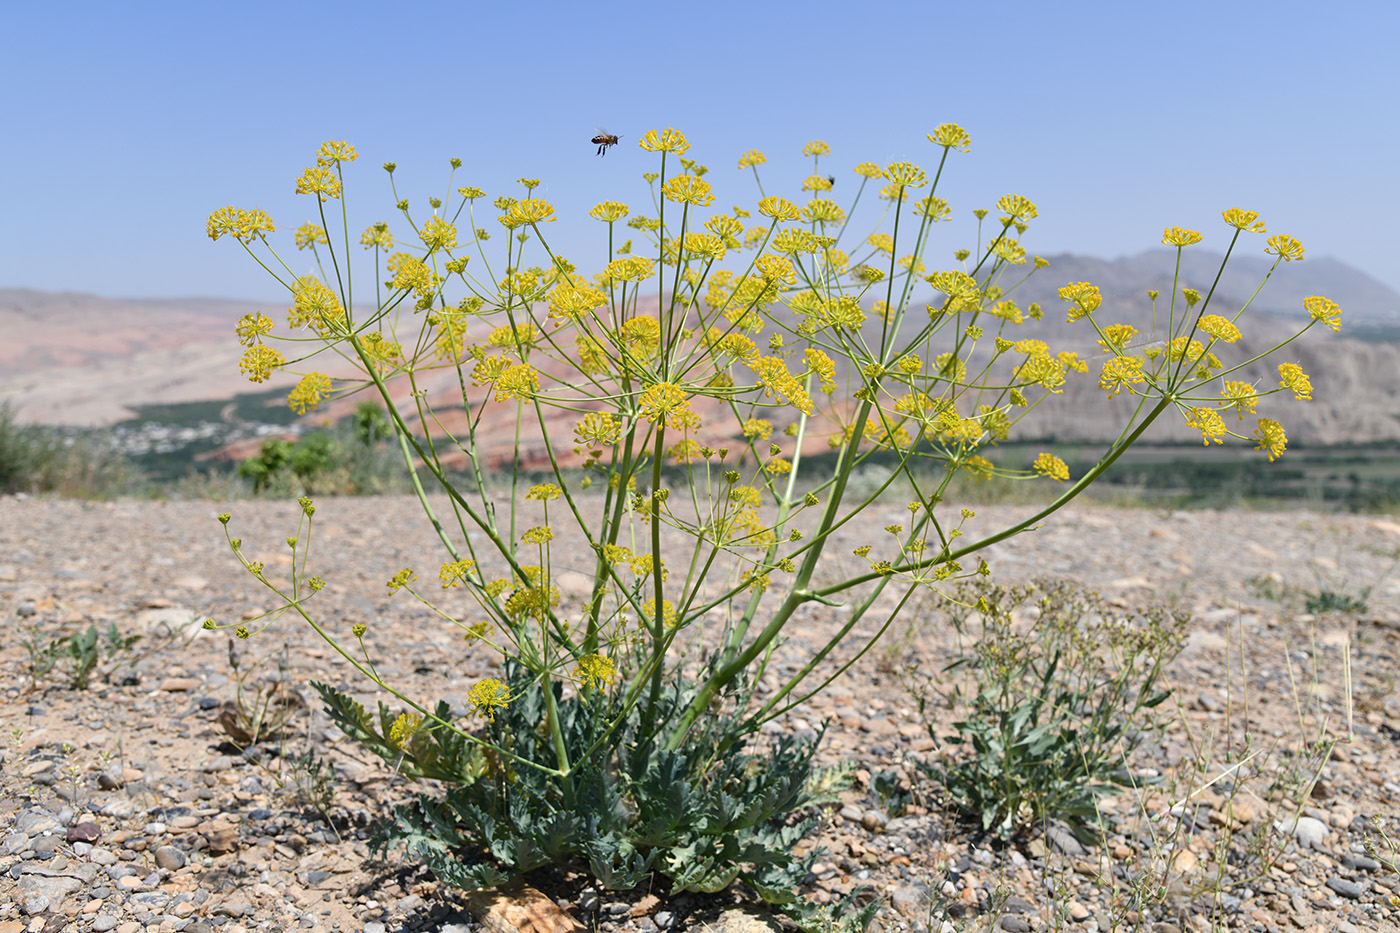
<point x="1285" y="247"/>
<point x="1325" y="310"/>
<point x="951" y="136"/>
<point x="1047" y="464"/>
<point x="668" y="140"/>
<point x="595" y="670"/>
<point x="1292" y="377"/>
<point x="1270" y="438"/>
<point x="1177" y="236"/>
<point x="488" y="696"/>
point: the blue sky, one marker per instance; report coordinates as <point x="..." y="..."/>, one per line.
<point x="128" y="123"/>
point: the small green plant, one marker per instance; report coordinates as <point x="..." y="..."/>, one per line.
<point x="671" y="400"/>
<point x="1054" y="704"/>
<point x="81" y="651"/>
<point x="351" y="459"/>
<point x="313" y="780"/>
<point x="1325" y="600"/>
<point x="259" y="712"/>
<point x="825" y="785"/>
<point x="85" y="649"/>
<point x="43" y="654"/>
<point x="42" y="459"/>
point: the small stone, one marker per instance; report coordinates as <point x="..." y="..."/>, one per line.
<point x="234" y="907"/>
<point x="45" y="847"/>
<point x="407" y="905"/>
<point x="1309" y="831"/>
<point x="316" y="877"/>
<point x="111" y="779"/>
<point x="1361" y="863"/>
<point x="1078" y="912"/>
<point x="170" y="858"/>
<point x="222" y="836"/>
<point x="911" y="900"/>
<point x="34" y="822"/>
<point x="1019" y="905"/>
<point x="104" y="922"/>
<point x="1014" y="924"/>
<point x="85" y="831"/>
<point x="1241" y="811"/>
<point x="374" y="926"/>
<point x="1063" y="840"/>
<point x="852" y="813"/>
<point x="120" y="808"/>
<point x="36" y="904"/>
<point x="149" y="900"/>
<point x="180" y="684"/>
<point x="874" y="820"/>
<point x="1348" y="889"/>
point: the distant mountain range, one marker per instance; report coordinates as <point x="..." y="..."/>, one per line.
<point x="80" y="359"/>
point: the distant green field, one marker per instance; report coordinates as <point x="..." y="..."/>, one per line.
<point x="268" y="407"/>
<point x="162" y="442"/>
<point x="1362" y="477"/>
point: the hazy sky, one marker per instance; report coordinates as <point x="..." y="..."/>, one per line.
<point x="126" y="124"/>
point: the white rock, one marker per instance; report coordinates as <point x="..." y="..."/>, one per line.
<point x="1309" y="832"/>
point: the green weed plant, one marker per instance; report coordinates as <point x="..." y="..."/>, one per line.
<point x="670" y="407"/>
<point x="1058" y="688"/>
<point x="38" y="459"/>
<point x="81" y="652"/>
<point x="351" y="460"/>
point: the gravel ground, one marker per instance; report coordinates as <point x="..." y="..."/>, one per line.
<point x="125" y="807"/>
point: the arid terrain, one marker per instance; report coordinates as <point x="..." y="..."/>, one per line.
<point x="127" y="806"/>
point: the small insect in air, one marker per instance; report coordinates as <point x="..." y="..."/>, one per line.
<point x="603" y="140"/>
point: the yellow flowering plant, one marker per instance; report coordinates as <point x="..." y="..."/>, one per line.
<point x="695" y="412"/>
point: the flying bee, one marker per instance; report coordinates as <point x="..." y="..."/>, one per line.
<point x="603" y="140"/>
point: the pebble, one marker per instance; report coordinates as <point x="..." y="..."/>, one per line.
<point x="1014" y="924"/>
<point x="170" y="858"/>
<point x="1361" y="863"/>
<point x="1349" y="889"/>
<point x="873" y="820"/>
<point x="1309" y="831"/>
